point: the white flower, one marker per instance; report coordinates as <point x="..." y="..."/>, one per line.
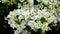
<point x="36" y="17"/>
<point x="9" y="16"/>
<point x="31" y="16"/>
<point x="45" y="1"/>
<point x="22" y="26"/>
<point x="12" y="25"/>
<point x="9" y="22"/>
<point x="51" y="19"/>
<point x="16" y="32"/>
<point x="46" y="14"/>
<point x="24" y="32"/>
<point x="21" y="0"/>
<point x="59" y="19"/>
<point x="45" y="27"/>
<point x="38" y="0"/>
<point x="30" y="1"/>
<point x="31" y="24"/>
<point x="26" y="14"/>
<point x="39" y="14"/>
<point x="20" y="17"/>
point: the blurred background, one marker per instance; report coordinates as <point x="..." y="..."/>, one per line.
<point x="4" y="11"/>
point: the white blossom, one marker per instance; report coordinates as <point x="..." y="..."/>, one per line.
<point x="24" y="32"/>
<point x="31" y="15"/>
<point x="21" y="0"/>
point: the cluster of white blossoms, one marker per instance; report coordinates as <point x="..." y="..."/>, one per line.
<point x="21" y="17"/>
<point x="32" y="16"/>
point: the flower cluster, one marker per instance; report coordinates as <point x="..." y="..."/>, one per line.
<point x="36" y="19"/>
<point x="34" y="16"/>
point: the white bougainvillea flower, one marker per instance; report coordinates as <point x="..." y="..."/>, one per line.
<point x="34" y="16"/>
<point x="21" y="0"/>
